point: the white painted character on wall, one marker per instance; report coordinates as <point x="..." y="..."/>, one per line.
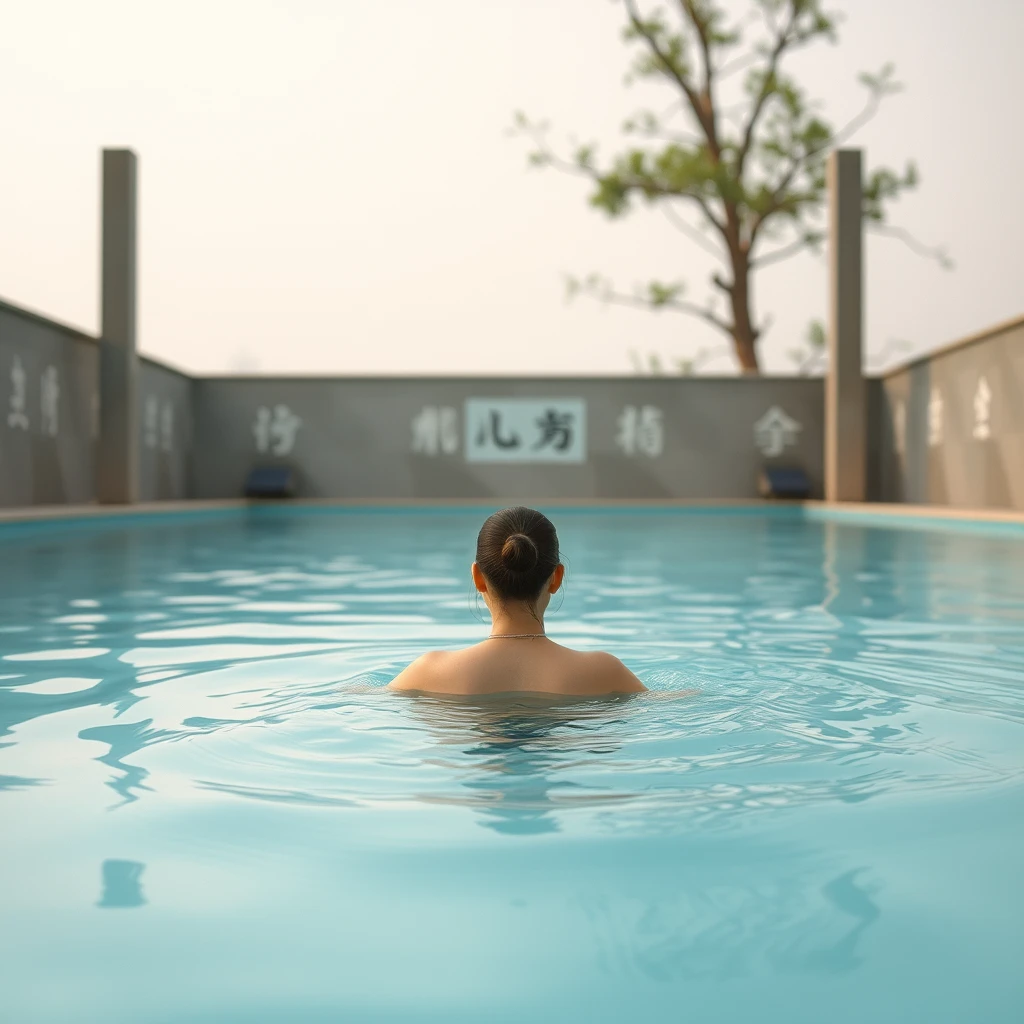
<point x="435" y="430"/>
<point x="17" y="418"/>
<point x="49" y="401"/>
<point x="776" y="431"/>
<point x="167" y="427"/>
<point x="982" y="411"/>
<point x="641" y="431"/>
<point x="275" y="430"/>
<point x="935" y="407"/>
<point x="150" y="416"/>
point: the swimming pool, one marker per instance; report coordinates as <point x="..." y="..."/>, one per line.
<point x="211" y="810"/>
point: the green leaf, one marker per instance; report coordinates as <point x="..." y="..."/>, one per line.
<point x="816" y="337"/>
<point x="659" y="294"/>
<point x="585" y="157"/>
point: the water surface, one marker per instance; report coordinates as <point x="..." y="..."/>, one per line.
<point x="212" y="810"/>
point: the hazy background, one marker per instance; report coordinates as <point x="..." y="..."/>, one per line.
<point x="326" y="185"/>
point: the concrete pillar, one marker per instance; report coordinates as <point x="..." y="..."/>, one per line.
<point x="845" y="391"/>
<point x="118" y="455"/>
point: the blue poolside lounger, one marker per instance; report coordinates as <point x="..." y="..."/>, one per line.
<point x="784" y="482"/>
<point x="270" y="482"/>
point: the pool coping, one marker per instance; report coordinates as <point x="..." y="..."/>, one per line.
<point x="868" y="513"/>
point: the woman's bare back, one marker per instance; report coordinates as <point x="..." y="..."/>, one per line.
<point x="519" y="665"/>
<point x="516" y="571"/>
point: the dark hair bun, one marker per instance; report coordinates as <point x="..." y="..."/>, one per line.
<point x="519" y="553"/>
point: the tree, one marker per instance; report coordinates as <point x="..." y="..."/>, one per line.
<point x="747" y="185"/>
<point x="812" y="357"/>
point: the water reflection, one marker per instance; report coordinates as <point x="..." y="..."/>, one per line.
<point x="513" y="751"/>
<point x="124" y="739"/>
<point x="711" y="921"/>
<point x="122" y="884"/>
<point x="854" y="899"/>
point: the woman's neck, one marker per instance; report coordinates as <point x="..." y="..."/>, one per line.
<point x="515" y="622"/>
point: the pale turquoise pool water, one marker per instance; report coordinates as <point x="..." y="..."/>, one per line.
<point x="201" y="820"/>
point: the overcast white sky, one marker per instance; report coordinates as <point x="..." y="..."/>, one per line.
<point x="326" y="185"/>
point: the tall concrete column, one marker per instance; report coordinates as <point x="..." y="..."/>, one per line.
<point x="845" y="390"/>
<point x="118" y="456"/>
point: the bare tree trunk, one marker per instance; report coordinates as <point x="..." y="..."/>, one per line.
<point x="744" y="334"/>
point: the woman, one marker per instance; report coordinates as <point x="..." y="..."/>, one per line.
<point x="517" y="570"/>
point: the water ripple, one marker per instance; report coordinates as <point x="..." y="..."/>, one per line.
<point x="256" y="673"/>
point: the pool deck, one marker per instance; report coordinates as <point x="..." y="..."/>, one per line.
<point x="818" y="510"/>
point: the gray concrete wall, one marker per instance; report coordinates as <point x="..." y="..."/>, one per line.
<point x="409" y="438"/>
<point x="950" y="427"/>
<point x="947" y="429"/>
<point x="49" y="413"/>
<point x="165" y="432"/>
<point x="49" y="382"/>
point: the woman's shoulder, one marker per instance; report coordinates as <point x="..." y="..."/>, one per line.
<point x="421" y="673"/>
<point x="603" y="672"/>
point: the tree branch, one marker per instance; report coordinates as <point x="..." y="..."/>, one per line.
<point x="882" y="357"/>
<point x="784" y="253"/>
<point x="782" y="42"/>
<point x="835" y="139"/>
<point x="937" y="253"/>
<point x="736" y="65"/>
<point x="649" y="131"/>
<point x="705" y="47"/>
<point x="670" y="69"/>
<point x="546" y="156"/>
<point x="855" y="124"/>
<point x="691" y="232"/>
<point x="662" y="297"/>
<point x="680" y="305"/>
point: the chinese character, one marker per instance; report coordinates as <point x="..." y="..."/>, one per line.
<point x="149" y="421"/>
<point x="775" y="431"/>
<point x="49" y="400"/>
<point x="641" y="431"/>
<point x="16" y="418"/>
<point x="492" y="429"/>
<point x="275" y="430"/>
<point x="525" y="430"/>
<point x="935" y="418"/>
<point x="435" y="430"/>
<point x="899" y="427"/>
<point x="982" y="411"/>
<point x="556" y="430"/>
<point x="167" y="428"/>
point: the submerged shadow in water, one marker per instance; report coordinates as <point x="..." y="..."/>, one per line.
<point x="711" y="921"/>
<point x="513" y="747"/>
<point x="122" y="885"/>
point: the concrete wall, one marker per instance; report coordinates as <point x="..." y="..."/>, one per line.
<point x="946" y="429"/>
<point x="49" y="381"/>
<point x="49" y="406"/>
<point x="950" y="426"/>
<point x="165" y="432"/>
<point x="405" y="438"/>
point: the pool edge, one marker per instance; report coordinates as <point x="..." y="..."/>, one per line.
<point x="852" y="513"/>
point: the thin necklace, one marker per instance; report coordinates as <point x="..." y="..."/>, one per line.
<point x="515" y="636"/>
